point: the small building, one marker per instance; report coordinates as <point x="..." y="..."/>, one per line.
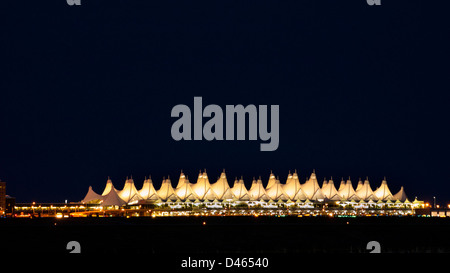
<point x="10" y="203"/>
<point x="2" y="198"/>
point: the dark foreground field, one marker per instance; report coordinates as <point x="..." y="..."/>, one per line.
<point x="226" y="235"/>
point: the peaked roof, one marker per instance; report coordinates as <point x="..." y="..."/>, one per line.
<point x="341" y="185"/>
<point x="383" y="193"/>
<point x="135" y="198"/>
<point x="239" y="190"/>
<point x="292" y="185"/>
<point x="182" y="180"/>
<point x="329" y="191"/>
<point x="360" y="184"/>
<point x="272" y="180"/>
<point x="312" y="189"/>
<point x="184" y="189"/>
<point x="221" y="187"/>
<point x="202" y="188"/>
<point x="300" y="195"/>
<point x="108" y="187"/>
<point x="257" y="191"/>
<point x="276" y="191"/>
<point x="210" y="195"/>
<point x="91" y="197"/>
<point x="347" y="192"/>
<point x="401" y="195"/>
<point x="148" y="191"/>
<point x="166" y="191"/>
<point x="228" y="195"/>
<point x="365" y="191"/>
<point x="113" y="199"/>
<point x="129" y="190"/>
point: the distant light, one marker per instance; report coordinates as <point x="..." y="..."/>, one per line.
<point x="204" y="223"/>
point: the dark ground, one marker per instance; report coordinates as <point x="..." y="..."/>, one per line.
<point x="289" y="243"/>
<point x="234" y="235"/>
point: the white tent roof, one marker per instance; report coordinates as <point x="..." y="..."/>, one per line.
<point x="112" y="199"/>
<point x="228" y="195"/>
<point x="359" y="186"/>
<point x="129" y="190"/>
<point x="91" y="197"/>
<point x="210" y="195"/>
<point x="108" y="187"/>
<point x="289" y="178"/>
<point x="184" y="189"/>
<point x="292" y="185"/>
<point x="365" y="192"/>
<point x="202" y="188"/>
<point x="312" y="189"/>
<point x="166" y="191"/>
<point x="300" y="195"/>
<point x="401" y="195"/>
<point x="135" y="198"/>
<point x="240" y="191"/>
<point x="148" y="191"/>
<point x="347" y="192"/>
<point x="272" y="180"/>
<point x="181" y="181"/>
<point x="276" y="192"/>
<point x="342" y="185"/>
<point x="329" y="191"/>
<point x="257" y="191"/>
<point x="383" y="193"/>
<point x="221" y="188"/>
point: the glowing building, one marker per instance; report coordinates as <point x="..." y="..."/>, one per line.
<point x="291" y="194"/>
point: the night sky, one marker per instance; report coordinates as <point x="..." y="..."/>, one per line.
<point x="86" y="92"/>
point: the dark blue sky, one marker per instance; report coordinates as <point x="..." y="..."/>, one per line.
<point x="86" y="92"/>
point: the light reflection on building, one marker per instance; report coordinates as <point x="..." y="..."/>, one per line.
<point x="219" y="199"/>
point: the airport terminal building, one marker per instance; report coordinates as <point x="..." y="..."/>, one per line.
<point x="291" y="197"/>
